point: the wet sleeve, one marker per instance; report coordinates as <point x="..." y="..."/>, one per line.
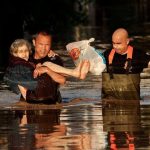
<point x="20" y="75"/>
<point x="26" y="79"/>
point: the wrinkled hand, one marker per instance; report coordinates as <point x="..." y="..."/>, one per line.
<point x="52" y="53"/>
<point x="35" y="73"/>
<point x="39" y="70"/>
<point x="38" y="65"/>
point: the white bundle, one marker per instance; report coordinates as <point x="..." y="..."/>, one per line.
<point x="87" y="52"/>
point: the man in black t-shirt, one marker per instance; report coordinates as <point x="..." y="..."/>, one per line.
<point x="47" y="90"/>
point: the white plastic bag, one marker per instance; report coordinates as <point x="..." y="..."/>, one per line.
<point x="82" y="50"/>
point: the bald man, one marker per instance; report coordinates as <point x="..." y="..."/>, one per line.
<point x="124" y="65"/>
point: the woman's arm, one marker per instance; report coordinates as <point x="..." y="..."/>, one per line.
<point x="55" y="76"/>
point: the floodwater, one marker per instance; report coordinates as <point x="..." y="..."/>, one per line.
<point x="82" y="122"/>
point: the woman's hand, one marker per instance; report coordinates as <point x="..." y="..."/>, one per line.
<point x="40" y="70"/>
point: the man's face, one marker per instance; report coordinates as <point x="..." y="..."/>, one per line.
<point x="42" y="45"/>
<point x="120" y="44"/>
<point x="74" y="53"/>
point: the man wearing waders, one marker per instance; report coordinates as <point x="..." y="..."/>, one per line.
<point x="124" y="65"/>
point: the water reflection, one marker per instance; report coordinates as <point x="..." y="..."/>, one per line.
<point x="47" y="128"/>
<point x="97" y="125"/>
<point x="123" y="115"/>
<point x="122" y="121"/>
<point x="84" y="126"/>
<point x="30" y="129"/>
<point x="74" y="127"/>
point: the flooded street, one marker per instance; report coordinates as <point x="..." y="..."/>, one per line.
<point x="80" y="126"/>
<point x="82" y="122"/>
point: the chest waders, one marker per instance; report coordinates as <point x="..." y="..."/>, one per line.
<point x="121" y="86"/>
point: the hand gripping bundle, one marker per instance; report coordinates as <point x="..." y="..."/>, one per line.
<point x="85" y="51"/>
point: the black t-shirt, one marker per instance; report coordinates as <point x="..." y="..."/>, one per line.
<point x="56" y="60"/>
<point x="139" y="61"/>
<point x="47" y="90"/>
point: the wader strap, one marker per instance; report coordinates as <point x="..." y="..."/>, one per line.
<point x="111" y="57"/>
<point x="129" y="54"/>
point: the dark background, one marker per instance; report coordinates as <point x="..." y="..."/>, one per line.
<point x="21" y="19"/>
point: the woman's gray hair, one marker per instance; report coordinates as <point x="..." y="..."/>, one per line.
<point x="18" y="43"/>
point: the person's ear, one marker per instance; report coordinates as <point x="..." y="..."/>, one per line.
<point x="128" y="40"/>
